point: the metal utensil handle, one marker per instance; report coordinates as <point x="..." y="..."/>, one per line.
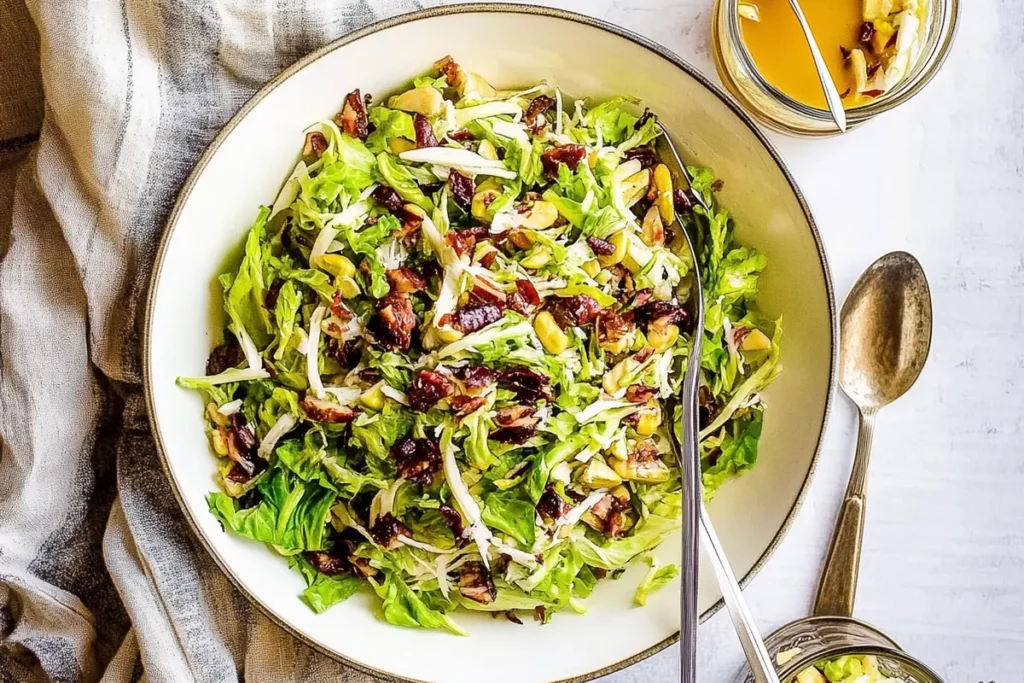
<point x="832" y="97"/>
<point x="689" y="459"/>
<point x="837" y="589"/>
<point x="750" y="638"/>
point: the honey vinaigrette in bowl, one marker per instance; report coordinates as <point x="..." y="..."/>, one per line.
<point x="869" y="46"/>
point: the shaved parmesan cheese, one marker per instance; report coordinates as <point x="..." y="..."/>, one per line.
<point x="290" y="191"/>
<point x="252" y="354"/>
<point x="346" y="396"/>
<point x="449" y="156"/>
<point x="511" y="130"/>
<point x="321" y="244"/>
<point x="394" y="394"/>
<point x="481" y="111"/>
<point x="231" y="407"/>
<point x="405" y="540"/>
<point x="284" y="424"/>
<point x="558" y="111"/>
<point x="232" y="375"/>
<point x="313" y="353"/>
<point x="571" y="517"/>
<point x="477" y="530"/>
<point x="598" y="407"/>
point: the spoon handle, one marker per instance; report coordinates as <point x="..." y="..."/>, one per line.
<point x="743" y="622"/>
<point x="832" y="97"/>
<point x="837" y="589"/>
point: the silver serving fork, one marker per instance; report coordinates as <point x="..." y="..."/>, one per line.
<point x="694" y="512"/>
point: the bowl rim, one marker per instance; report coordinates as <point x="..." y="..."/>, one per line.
<point x="428" y="13"/>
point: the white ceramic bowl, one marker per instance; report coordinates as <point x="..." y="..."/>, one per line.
<point x="245" y="166"/>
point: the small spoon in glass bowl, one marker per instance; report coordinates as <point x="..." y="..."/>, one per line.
<point x="832" y="97"/>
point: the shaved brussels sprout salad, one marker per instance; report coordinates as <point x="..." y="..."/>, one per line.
<point x="449" y="345"/>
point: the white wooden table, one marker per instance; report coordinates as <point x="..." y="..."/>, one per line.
<point x="943" y="178"/>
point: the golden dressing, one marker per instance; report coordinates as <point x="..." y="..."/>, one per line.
<point x="780" y="51"/>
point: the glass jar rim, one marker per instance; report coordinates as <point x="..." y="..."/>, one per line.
<point x="928" y="65"/>
<point x="801" y="662"/>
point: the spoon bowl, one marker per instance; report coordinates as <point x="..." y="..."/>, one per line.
<point x="887" y="331"/>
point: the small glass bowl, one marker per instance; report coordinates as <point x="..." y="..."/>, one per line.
<point x="783" y="113"/>
<point x="820" y="638"/>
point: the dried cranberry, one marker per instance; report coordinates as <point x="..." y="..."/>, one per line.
<point x="611" y="327"/>
<point x="473" y="317"/>
<point x="574" y="495"/>
<point x="475" y="583"/>
<point x="845" y="52"/>
<point x="872" y="93"/>
<point x="538" y="106"/>
<point x="417" y="459"/>
<point x="707" y="408"/>
<point x="453" y="519"/>
<point x="682" y="201"/>
<point x="238" y="474"/>
<point x="273" y="291"/>
<point x="645" y="155"/>
<point x="462" y="135"/>
<point x="551" y="507"/>
<point x="245" y="434"/>
<point x="326" y="563"/>
<point x="644" y="118"/>
<point x="573" y="310"/>
<point x="346" y="353"/>
<point x="352" y="119"/>
<point x="487" y="260"/>
<point x="394" y="322"/>
<point x="319" y="410"/>
<point x="873" y="69"/>
<point x="462" y="188"/>
<point x="509" y="416"/>
<point x="867" y="32"/>
<point x="514" y="435"/>
<point x="462" y="242"/>
<point x="518" y="303"/>
<point x="223" y="357"/>
<point x="517" y="424"/>
<point x="601" y="247"/>
<point x="511" y="616"/>
<point x="405" y="280"/>
<point x="656" y="310"/>
<point x="388" y="198"/>
<point x="528" y="292"/>
<point x="638" y="393"/>
<point x="424" y="131"/>
<point x="717" y="185"/>
<point x="570" y="155"/>
<point x="527" y="385"/>
<point x="427" y="389"/>
<point x="475" y="377"/>
<point x="387" y="530"/>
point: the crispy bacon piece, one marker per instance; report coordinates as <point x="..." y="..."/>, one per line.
<point x="528" y="386"/>
<point x="473" y="317"/>
<point x="611" y="327"/>
<point x="454" y="520"/>
<point x="514" y="415"/>
<point x="573" y="310"/>
<point x="352" y="118"/>
<point x="450" y="69"/>
<point x="462" y="189"/>
<point x="394" y="322"/>
<point x="639" y="393"/>
<point x="387" y="530"/>
<point x="601" y="247"/>
<point x="645" y="155"/>
<point x="424" y="131"/>
<point x="224" y="357"/>
<point x="485" y="293"/>
<point x="405" y="280"/>
<point x="551" y="507"/>
<point x="327" y="563"/>
<point x="417" y="459"/>
<point x="427" y="389"/>
<point x="475" y="583"/>
<point x="570" y="155"/>
<point x="464" y="404"/>
<point x="538" y="106"/>
<point x="315" y="145"/>
<point x="319" y="410"/>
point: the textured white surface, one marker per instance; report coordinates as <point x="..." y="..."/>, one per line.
<point x="943" y="178"/>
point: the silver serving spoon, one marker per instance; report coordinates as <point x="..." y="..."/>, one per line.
<point x="694" y="511"/>
<point x="832" y="97"/>
<point x="886" y="325"/>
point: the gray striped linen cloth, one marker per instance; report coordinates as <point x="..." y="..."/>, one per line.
<point x="100" y="579"/>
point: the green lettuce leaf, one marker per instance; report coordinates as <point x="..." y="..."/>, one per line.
<point x="389" y="123"/>
<point x="285" y="312"/>
<point x="403" y="606"/>
<point x="245" y="292"/>
<point x="509" y="512"/>
<point x="291" y="515"/>
<point x="618" y="553"/>
<point x="402" y="181"/>
<point x="656" y="578"/>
